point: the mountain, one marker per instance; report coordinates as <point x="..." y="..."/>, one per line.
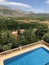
<point x="6" y="11"/>
<point x="9" y="12"/>
<point x="43" y="14"/>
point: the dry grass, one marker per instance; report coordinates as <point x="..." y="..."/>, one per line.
<point x="30" y="20"/>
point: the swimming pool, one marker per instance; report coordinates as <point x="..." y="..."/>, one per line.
<point x="39" y="56"/>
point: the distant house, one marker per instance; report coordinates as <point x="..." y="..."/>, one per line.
<point x="15" y="33"/>
<point x="22" y="30"/>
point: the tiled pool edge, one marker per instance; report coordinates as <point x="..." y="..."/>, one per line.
<point x="32" y="47"/>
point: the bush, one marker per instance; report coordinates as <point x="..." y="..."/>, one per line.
<point x="14" y="43"/>
<point x="21" y="40"/>
<point x="4" y="37"/>
<point x="6" y="47"/>
<point x="40" y="32"/>
<point x="1" y="48"/>
<point x="46" y="37"/>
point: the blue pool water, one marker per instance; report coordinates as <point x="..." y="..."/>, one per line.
<point x="38" y="56"/>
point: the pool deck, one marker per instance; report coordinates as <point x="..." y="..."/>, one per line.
<point x="23" y="50"/>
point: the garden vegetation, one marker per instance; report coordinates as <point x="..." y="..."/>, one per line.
<point x="33" y="33"/>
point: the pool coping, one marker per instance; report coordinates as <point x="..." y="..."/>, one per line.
<point x="24" y="49"/>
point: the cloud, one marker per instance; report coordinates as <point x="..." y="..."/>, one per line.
<point x="47" y="1"/>
<point x="4" y="2"/>
<point x="21" y="6"/>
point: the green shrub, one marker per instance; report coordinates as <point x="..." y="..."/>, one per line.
<point x="6" y="47"/>
<point x="46" y="37"/>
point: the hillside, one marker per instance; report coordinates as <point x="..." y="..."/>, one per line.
<point x="9" y="12"/>
<point x="21" y="14"/>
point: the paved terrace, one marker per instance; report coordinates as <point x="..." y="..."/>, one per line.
<point x="11" y="53"/>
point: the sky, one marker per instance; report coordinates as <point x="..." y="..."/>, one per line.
<point x="37" y="6"/>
